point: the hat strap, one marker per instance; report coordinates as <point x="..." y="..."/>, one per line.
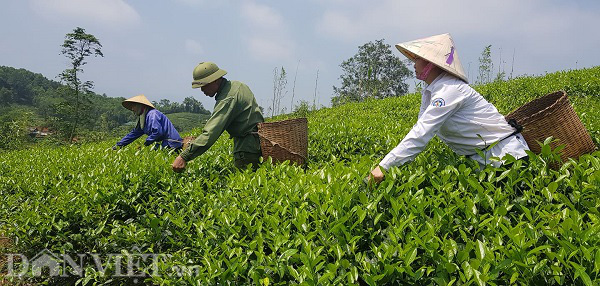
<point x="426" y="70"/>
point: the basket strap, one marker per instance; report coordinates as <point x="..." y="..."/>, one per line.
<point x="275" y="143"/>
<point x="518" y="128"/>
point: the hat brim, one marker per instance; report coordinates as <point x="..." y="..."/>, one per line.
<point x="408" y="54"/>
<point x="140" y="99"/>
<point x="202" y="82"/>
<point x="413" y="57"/>
<point x="129" y="105"/>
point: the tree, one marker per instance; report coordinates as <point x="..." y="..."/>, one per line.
<point x="485" y="65"/>
<point x="13" y="128"/>
<point x="6" y="95"/>
<point x="166" y="106"/>
<point x="190" y="104"/>
<point x="279" y="89"/>
<point x="373" y="72"/>
<point x="294" y="87"/>
<point x="501" y="73"/>
<point x="194" y="106"/>
<point x="77" y="46"/>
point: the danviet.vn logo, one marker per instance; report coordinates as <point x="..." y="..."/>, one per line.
<point x="130" y="264"/>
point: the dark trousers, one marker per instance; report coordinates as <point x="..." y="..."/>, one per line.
<point x="242" y="159"/>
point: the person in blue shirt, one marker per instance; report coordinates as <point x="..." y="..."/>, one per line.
<point x="152" y="123"/>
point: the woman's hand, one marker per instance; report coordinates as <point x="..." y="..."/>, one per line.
<point x="376" y="175"/>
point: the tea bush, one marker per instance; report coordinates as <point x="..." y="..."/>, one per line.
<point x="436" y="221"/>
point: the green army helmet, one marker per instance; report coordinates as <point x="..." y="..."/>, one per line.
<point x="205" y="73"/>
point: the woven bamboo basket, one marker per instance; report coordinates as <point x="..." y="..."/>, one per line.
<point x="187" y="140"/>
<point x="284" y="140"/>
<point x="553" y="115"/>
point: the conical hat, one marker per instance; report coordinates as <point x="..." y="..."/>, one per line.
<point x="128" y="103"/>
<point x="439" y="50"/>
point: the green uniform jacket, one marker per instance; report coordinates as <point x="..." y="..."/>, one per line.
<point x="237" y="112"/>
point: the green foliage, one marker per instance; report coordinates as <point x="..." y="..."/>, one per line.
<point x="79" y="45"/>
<point x="439" y="220"/>
<point x="302" y="109"/>
<point x="20" y="86"/>
<point x="14" y="123"/>
<point x="186" y="121"/>
<point x="373" y="72"/>
<point x="190" y="105"/>
<point x="279" y="90"/>
<point x="485" y="66"/>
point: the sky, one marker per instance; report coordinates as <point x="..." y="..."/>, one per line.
<point x="151" y="47"/>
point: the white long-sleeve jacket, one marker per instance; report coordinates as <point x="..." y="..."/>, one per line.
<point x="463" y="119"/>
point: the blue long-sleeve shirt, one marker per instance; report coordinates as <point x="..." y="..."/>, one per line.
<point x="158" y="128"/>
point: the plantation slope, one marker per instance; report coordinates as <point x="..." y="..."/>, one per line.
<point x="436" y="221"/>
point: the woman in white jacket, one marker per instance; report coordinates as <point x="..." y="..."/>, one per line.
<point x="452" y="110"/>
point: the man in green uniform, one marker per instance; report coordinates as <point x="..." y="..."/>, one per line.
<point x="236" y="111"/>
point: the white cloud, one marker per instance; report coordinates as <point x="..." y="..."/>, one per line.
<point x="267" y="37"/>
<point x="261" y="16"/>
<point x="193" y="47"/>
<point x="408" y="19"/>
<point x="339" y="25"/>
<point x="205" y="4"/>
<point x="112" y="13"/>
<point x="192" y="2"/>
<point x="269" y="49"/>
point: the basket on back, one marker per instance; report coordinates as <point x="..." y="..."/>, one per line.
<point x="553" y="115"/>
<point x="187" y="140"/>
<point x="284" y="140"/>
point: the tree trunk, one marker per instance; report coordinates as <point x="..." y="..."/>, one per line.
<point x="76" y="111"/>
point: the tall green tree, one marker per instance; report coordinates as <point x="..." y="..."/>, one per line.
<point x="373" y="72"/>
<point x="77" y="46"/>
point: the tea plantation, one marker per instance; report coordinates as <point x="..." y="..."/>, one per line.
<point x="436" y="221"/>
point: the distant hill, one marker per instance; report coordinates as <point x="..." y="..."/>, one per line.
<point x="34" y="100"/>
<point x="186" y="121"/>
<point x="20" y="86"/>
<point x="23" y="89"/>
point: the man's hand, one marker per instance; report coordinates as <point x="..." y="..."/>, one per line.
<point x="178" y="165"/>
<point x="376" y="175"/>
